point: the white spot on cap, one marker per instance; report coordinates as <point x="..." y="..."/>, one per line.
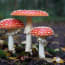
<point x="41" y="32"/>
<point x="48" y="32"/>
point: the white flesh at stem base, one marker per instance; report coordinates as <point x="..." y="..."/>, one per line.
<point x="11" y="43"/>
<point x="41" y="48"/>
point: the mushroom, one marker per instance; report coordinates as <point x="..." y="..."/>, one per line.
<point x="41" y="33"/>
<point x="29" y="14"/>
<point x="11" y="25"/>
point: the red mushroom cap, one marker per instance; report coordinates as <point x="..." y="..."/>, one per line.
<point x="11" y="23"/>
<point x="29" y="13"/>
<point x="42" y="31"/>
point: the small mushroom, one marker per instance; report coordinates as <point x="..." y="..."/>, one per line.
<point x="11" y="25"/>
<point x="29" y="14"/>
<point x="41" y="33"/>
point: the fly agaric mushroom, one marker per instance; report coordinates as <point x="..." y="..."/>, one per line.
<point x="10" y="25"/>
<point x="41" y="33"/>
<point x="29" y="14"/>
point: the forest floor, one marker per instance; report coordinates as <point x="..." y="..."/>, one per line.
<point x="53" y="50"/>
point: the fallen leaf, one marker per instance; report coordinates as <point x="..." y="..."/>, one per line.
<point x="58" y="60"/>
<point x="12" y="58"/>
<point x="63" y="49"/>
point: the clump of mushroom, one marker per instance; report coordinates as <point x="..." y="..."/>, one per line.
<point x="41" y="33"/>
<point x="29" y="14"/>
<point x="11" y="25"/>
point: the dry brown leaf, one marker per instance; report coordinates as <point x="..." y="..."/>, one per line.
<point x="12" y="58"/>
<point x="8" y="54"/>
<point x="58" y="60"/>
<point x="47" y="53"/>
<point x="63" y="49"/>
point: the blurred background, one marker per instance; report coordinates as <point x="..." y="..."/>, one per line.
<point x="53" y="7"/>
<point x="56" y="19"/>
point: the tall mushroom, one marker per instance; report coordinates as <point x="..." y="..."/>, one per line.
<point x="29" y="14"/>
<point x="41" y="33"/>
<point x="11" y="25"/>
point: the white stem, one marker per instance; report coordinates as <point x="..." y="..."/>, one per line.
<point x="41" y="48"/>
<point x="10" y="43"/>
<point x="28" y="43"/>
<point x="28" y="35"/>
